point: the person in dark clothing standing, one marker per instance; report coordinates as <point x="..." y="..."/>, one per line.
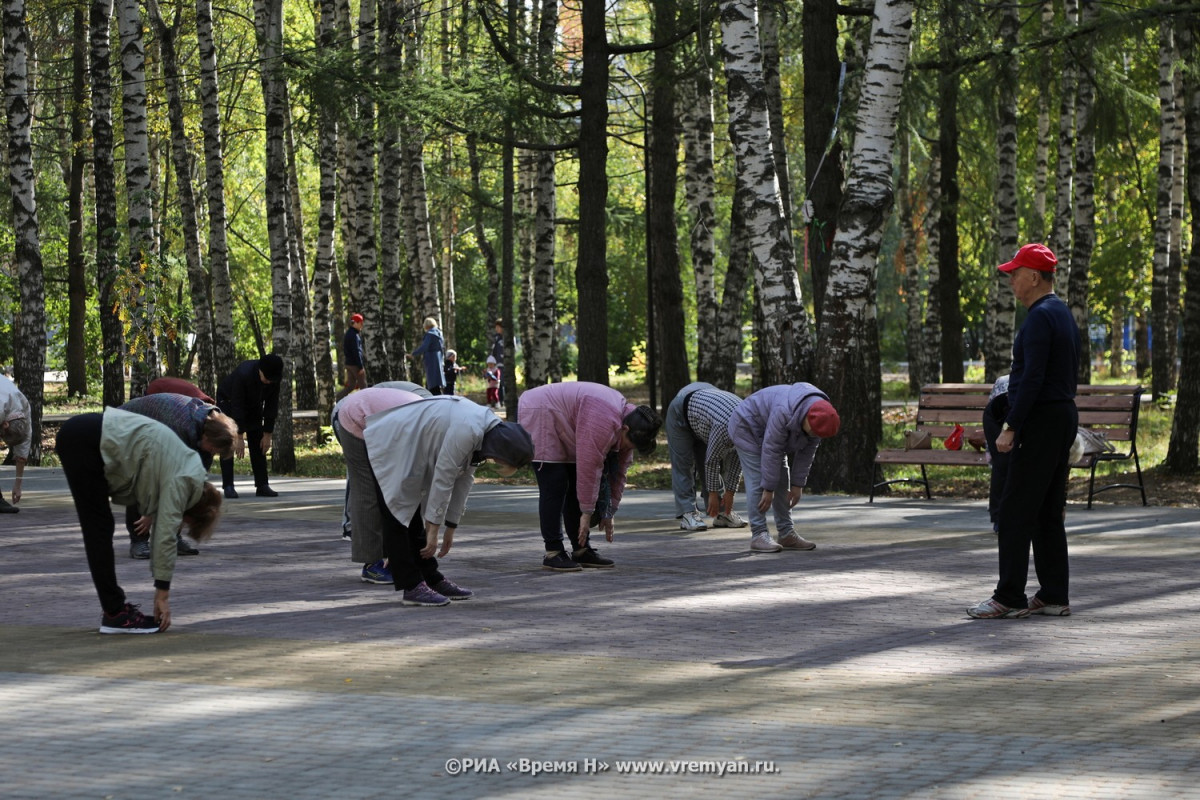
<point x="498" y="354"/>
<point x="352" y="358"/>
<point x="250" y="394"/>
<point x="1037" y="434"/>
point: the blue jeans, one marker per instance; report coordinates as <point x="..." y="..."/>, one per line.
<point x="752" y="470"/>
<point x="687" y="455"/>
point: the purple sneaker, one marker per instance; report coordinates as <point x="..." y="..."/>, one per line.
<point x="449" y="588"/>
<point x="422" y="595"/>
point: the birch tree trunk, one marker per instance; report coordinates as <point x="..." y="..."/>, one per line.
<point x="1041" y="169"/>
<point x="770" y="21"/>
<point x="699" y="181"/>
<point x="143" y="269"/>
<point x="412" y="143"/>
<point x="304" y="372"/>
<point x="29" y="328"/>
<point x="1182" y="451"/>
<point x="1164" y="314"/>
<point x="1064" y="171"/>
<point x="784" y="338"/>
<point x="848" y="360"/>
<point x="541" y="348"/>
<point x="1175" y="272"/>
<point x="1001" y="308"/>
<point x="205" y="377"/>
<point x="77" y="379"/>
<point x="108" y="234"/>
<point x="225" y="356"/>
<point x="324" y="261"/>
<point x="366" y="280"/>
<point x="391" y="229"/>
<point x="1085" y="190"/>
<point x="268" y="24"/>
<point x="663" y="240"/>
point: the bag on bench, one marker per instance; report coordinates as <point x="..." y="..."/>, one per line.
<point x="918" y="440"/>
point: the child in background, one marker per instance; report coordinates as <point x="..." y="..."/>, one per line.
<point x="450" y="369"/>
<point x="492" y="376"/>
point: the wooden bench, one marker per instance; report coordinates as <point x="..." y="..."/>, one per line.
<point x="1111" y="411"/>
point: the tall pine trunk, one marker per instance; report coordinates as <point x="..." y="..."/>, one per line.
<point x="949" y="282"/>
<point x="77" y="381"/>
<point x="662" y="236"/>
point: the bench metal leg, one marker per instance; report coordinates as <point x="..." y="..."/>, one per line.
<point x="925" y="480"/>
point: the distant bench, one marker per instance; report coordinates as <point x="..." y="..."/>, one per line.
<point x="1109" y="411"/>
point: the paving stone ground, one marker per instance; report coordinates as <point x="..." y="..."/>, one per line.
<point x="850" y="671"/>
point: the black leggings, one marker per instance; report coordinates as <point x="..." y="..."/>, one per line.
<point x="78" y="448"/>
<point x="402" y="545"/>
<point x="557" y="501"/>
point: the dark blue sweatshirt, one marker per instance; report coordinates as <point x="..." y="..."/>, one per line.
<point x="1045" y="362"/>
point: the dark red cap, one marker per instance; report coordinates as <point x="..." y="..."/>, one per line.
<point x="1032" y="256"/>
<point x="823" y="419"/>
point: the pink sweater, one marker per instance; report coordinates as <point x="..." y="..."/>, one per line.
<point x="578" y="423"/>
<point x="354" y="410"/>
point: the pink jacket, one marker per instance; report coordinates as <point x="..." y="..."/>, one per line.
<point x="353" y="411"/>
<point x="578" y="423"/>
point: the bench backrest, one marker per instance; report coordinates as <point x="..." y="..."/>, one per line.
<point x="1111" y="410"/>
<point x="944" y="405"/>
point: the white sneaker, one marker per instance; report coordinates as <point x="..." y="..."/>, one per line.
<point x="692" y="521"/>
<point x="730" y="520"/>
<point x="794" y="541"/>
<point x="762" y="543"/>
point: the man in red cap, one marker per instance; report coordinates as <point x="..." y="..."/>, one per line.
<point x="777" y="431"/>
<point x="352" y="358"/>
<point x="1037" y="432"/>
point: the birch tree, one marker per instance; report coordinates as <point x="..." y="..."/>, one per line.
<point x="784" y="342"/>
<point x="1183" y="450"/>
<point x="1165" y="313"/>
<point x="848" y="358"/>
<point x="541" y="347"/>
<point x="365" y="285"/>
<point x="29" y="349"/>
<point x="699" y="181"/>
<point x="139" y="196"/>
<point x="1084" y="241"/>
<point x="77" y="378"/>
<point x="1064" y="171"/>
<point x="269" y="27"/>
<point x="1000" y="318"/>
<point x="224" y="346"/>
<point x="104" y="179"/>
<point x="206" y="377"/>
<point x="391" y="227"/>
<point x="324" y="261"/>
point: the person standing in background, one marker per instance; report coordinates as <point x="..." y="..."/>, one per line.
<point x="250" y="394"/>
<point x="430" y="352"/>
<point x="353" y="360"/>
<point x="14" y="432"/>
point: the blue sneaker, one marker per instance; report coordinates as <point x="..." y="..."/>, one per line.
<point x="448" y="588"/>
<point x="422" y="595"/>
<point x="377" y="573"/>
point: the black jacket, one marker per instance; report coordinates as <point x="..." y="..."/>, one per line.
<point x="252" y="403"/>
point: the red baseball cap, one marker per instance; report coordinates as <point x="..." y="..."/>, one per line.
<point x="1032" y="256"/>
<point x="823" y="419"/>
<point x="356" y="317"/>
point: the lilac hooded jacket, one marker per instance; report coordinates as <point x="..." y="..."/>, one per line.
<point x="770" y="422"/>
